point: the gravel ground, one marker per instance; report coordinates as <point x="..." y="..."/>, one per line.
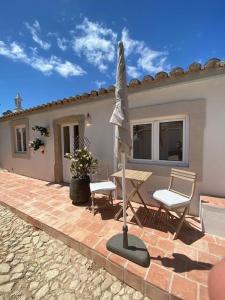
<point x="33" y="265"/>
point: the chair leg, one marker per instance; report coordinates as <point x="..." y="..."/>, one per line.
<point x="180" y="223"/>
<point x="110" y="198"/>
<point x="160" y="208"/>
<point x="201" y="218"/>
<point x="93" y="203"/>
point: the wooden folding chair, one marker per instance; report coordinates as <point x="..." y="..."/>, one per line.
<point x="173" y="200"/>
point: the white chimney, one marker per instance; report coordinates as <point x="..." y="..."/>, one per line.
<point x="18" y="103"/>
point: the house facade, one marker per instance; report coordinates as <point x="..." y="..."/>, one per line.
<point x="177" y="120"/>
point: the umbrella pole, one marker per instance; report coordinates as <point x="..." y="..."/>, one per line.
<point x="125" y="228"/>
<point x="136" y="251"/>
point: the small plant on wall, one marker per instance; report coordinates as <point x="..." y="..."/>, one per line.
<point x="37" y="144"/>
<point x="44" y="131"/>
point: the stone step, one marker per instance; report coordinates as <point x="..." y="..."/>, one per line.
<point x="213" y="215"/>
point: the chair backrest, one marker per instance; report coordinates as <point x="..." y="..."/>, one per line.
<point x="101" y="173"/>
<point x="184" y="176"/>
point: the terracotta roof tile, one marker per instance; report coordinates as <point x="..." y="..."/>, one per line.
<point x="212" y="63"/>
<point x="134" y="82"/>
<point x="195" y="67"/>
<point x="102" y="91"/>
<point x="161" y="75"/>
<point x="176" y="72"/>
<point x="147" y="79"/>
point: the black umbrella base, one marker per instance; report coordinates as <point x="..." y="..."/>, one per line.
<point x="136" y="250"/>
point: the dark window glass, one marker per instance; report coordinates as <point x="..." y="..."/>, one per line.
<point x="76" y="137"/>
<point x="142" y="141"/>
<point x="171" y="141"/>
<point x="66" y="138"/>
<point x="19" y="140"/>
<point x="24" y="139"/>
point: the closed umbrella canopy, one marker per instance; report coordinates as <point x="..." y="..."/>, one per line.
<point x="126" y="245"/>
<point x="120" y="118"/>
<point x="120" y="115"/>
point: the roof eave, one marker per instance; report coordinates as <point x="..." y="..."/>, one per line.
<point x="213" y="67"/>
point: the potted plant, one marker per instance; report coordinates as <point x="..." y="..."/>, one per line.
<point x="43" y="130"/>
<point x="37" y="144"/>
<point x="83" y="164"/>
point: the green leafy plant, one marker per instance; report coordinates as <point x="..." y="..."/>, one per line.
<point x="83" y="163"/>
<point x="36" y="144"/>
<point x="43" y="130"/>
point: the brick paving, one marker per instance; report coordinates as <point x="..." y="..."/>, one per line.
<point x="178" y="269"/>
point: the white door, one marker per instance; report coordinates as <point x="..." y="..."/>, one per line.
<point x="70" y="142"/>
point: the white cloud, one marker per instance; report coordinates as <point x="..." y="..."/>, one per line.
<point x="41" y="64"/>
<point x="99" y="83"/>
<point x="148" y="60"/>
<point x="67" y="69"/>
<point x="62" y="43"/>
<point x="96" y="43"/>
<point x="50" y="65"/>
<point x="35" y="30"/>
<point x="131" y="46"/>
<point x="13" y="51"/>
<point x="133" y="72"/>
<point x="152" y="61"/>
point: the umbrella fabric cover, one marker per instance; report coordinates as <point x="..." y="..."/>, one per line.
<point x="120" y="118"/>
<point x="126" y="245"/>
<point x="120" y="115"/>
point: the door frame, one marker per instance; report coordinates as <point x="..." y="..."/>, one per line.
<point x="66" y="162"/>
<point x="57" y="123"/>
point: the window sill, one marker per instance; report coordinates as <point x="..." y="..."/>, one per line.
<point x="158" y="163"/>
<point x="21" y="152"/>
<point x="21" y="155"/>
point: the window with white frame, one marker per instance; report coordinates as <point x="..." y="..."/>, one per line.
<point x="21" y="138"/>
<point x="160" y="140"/>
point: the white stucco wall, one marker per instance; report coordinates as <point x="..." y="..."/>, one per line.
<point x="207" y="150"/>
<point x="212" y="156"/>
<point x="41" y="166"/>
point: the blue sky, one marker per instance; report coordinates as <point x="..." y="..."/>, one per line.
<point x="55" y="49"/>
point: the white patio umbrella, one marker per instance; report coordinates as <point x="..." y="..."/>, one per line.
<point x="128" y="246"/>
<point x="120" y="118"/>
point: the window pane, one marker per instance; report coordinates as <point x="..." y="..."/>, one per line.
<point x="18" y="140"/>
<point x="142" y="141"/>
<point x="66" y="138"/>
<point x="171" y="141"/>
<point x="76" y="137"/>
<point x="24" y="139"/>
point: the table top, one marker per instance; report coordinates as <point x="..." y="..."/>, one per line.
<point x="133" y="175"/>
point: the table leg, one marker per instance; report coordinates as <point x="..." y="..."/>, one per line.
<point x="118" y="183"/>
<point x="133" y="211"/>
<point x="131" y="195"/>
<point x="116" y="217"/>
<point x="135" y="215"/>
<point x="137" y="186"/>
<point x="121" y="209"/>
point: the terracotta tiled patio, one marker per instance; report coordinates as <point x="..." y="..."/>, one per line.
<point x="178" y="269"/>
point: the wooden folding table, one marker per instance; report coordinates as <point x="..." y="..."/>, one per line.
<point x="136" y="178"/>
